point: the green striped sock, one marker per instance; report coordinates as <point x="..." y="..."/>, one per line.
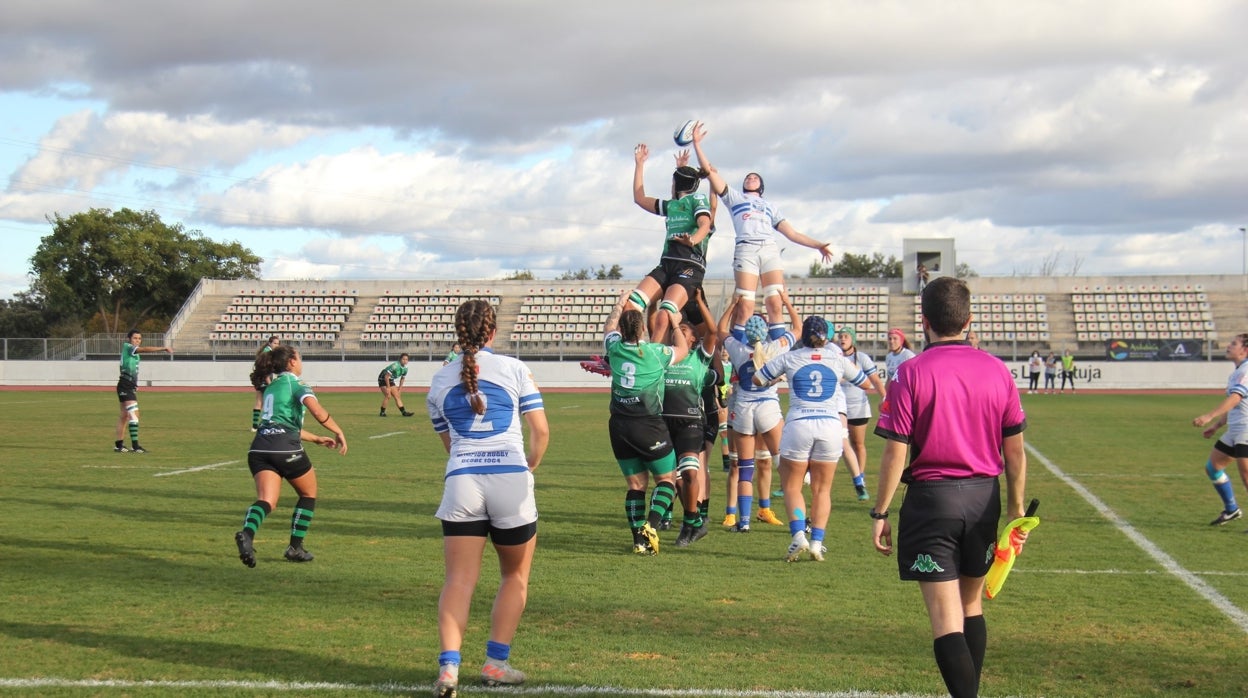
<point x="661" y="502"/>
<point x="301" y="519"/>
<point x="255" y="516"/>
<point x="635" y="508"/>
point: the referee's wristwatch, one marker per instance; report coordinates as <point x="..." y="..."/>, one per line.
<point x="878" y="515"/>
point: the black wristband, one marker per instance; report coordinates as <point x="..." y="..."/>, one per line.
<point x="877" y="515"/>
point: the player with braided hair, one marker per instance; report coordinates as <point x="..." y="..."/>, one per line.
<point x="476" y="405"/>
<point x="639" y="437"/>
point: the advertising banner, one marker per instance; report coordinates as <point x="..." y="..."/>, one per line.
<point x="1154" y="349"/>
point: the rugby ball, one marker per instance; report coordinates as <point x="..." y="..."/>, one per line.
<point x="684" y="135"/>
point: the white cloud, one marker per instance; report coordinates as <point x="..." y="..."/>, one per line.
<point x="1111" y="130"/>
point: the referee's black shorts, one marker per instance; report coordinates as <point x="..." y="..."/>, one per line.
<point x="948" y="529"/>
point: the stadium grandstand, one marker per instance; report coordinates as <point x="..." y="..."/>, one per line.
<point x="563" y="319"/>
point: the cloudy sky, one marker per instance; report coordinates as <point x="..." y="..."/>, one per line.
<point x="411" y="139"/>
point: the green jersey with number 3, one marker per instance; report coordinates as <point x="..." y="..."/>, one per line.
<point x="636" y="376"/>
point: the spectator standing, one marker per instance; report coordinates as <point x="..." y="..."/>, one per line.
<point x="1035" y="365"/>
<point x="1068" y="370"/>
<point x="1050" y="373"/>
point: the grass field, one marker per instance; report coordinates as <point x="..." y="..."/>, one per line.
<point x="120" y="575"/>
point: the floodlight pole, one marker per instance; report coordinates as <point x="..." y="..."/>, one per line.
<point x="1244" y="258"/>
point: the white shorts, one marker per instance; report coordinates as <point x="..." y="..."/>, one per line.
<point x="757" y="258"/>
<point x="860" y="409"/>
<point x="812" y="439"/>
<point x="504" y="499"/>
<point x="754" y="417"/>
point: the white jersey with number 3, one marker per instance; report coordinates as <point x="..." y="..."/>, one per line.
<point x="814" y="376"/>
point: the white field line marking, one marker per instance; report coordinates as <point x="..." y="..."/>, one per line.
<point x="398" y="688"/>
<point x="196" y="468"/>
<point x="1204" y="573"/>
<point x="570" y="407"/>
<point x="1220" y="602"/>
<point x="389" y="433"/>
<point x="1124" y="475"/>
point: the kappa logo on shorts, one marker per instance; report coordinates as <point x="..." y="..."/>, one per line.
<point x="992" y="551"/>
<point x="657" y="445"/>
<point x="293" y="458"/>
<point x="925" y="564"/>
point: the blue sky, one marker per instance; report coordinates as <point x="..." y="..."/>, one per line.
<point x="409" y="140"/>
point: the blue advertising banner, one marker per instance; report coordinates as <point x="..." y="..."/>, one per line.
<point x="1154" y="349"/>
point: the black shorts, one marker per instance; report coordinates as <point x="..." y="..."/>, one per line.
<point x="1238" y="451"/>
<point x="691" y="311"/>
<point x="288" y="465"/>
<point x="645" y="438"/>
<point x="857" y="422"/>
<point x="127" y="391"/>
<point x="675" y="271"/>
<point x="710" y="427"/>
<point x="948" y="529"/>
<point x="686" y="433"/>
<point x="483" y="528"/>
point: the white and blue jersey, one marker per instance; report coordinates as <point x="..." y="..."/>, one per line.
<point x="894" y="361"/>
<point x="484" y="443"/>
<point x="814" y="377"/>
<point x="857" y="404"/>
<point x="741" y="354"/>
<point x="1237" y="418"/>
<point x="753" y="218"/>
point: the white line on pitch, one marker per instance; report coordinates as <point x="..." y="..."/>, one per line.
<point x="1220" y="602"/>
<point x="1125" y="475"/>
<point x="389" y="433"/>
<point x="196" y="468"/>
<point x="1201" y="573"/>
<point x="570" y="407"/>
<point x="398" y="688"/>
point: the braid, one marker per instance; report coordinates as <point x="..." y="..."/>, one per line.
<point x="631" y="323"/>
<point x="475" y="322"/>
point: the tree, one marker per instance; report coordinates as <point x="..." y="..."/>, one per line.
<point x="964" y="271"/>
<point x="859" y="267"/>
<point x="128" y="266"/>
<point x="23" y="316"/>
<point x="520" y="275"/>
<point x="615" y="273"/>
<point x="603" y="274"/>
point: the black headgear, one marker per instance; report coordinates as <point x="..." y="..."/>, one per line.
<point x="760" y="181"/>
<point x="685" y="179"/>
